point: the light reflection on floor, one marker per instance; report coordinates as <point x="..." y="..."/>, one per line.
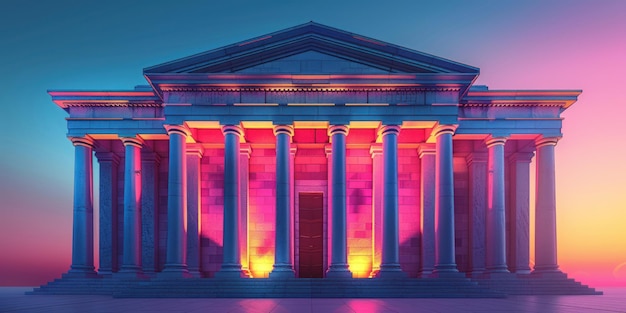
<point x="12" y="299"/>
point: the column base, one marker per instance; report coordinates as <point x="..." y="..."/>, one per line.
<point x="77" y="272"/>
<point x="282" y="271"/>
<point x="498" y="275"/>
<point x="230" y="271"/>
<point x="556" y="274"/>
<point x="390" y="271"/>
<point x="521" y="271"/>
<point x="174" y="271"/>
<point x="338" y="271"/>
<point x="477" y="273"/>
<point x="446" y="271"/>
<point x="425" y="273"/>
<point x="195" y="273"/>
<point x="130" y="273"/>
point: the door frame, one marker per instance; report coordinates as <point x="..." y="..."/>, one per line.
<point x="310" y="186"/>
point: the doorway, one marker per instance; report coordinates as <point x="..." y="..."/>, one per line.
<point x="311" y="224"/>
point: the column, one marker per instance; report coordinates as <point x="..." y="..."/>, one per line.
<point x="328" y="149"/>
<point x="518" y="210"/>
<point x="176" y="255"/>
<point x="376" y="150"/>
<point x="150" y="212"/>
<point x="82" y="223"/>
<point x="339" y="260"/>
<point x="109" y="162"/>
<point x="427" y="199"/>
<point x="545" y="208"/>
<point x="194" y="159"/>
<point x="131" y="258"/>
<point x="244" y="191"/>
<point x="390" y="263"/>
<point x="445" y="264"/>
<point x="231" y="265"/>
<point x="283" y="265"/>
<point x="496" y="221"/>
<point x="477" y="168"/>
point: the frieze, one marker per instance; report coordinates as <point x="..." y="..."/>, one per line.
<point x="113" y="104"/>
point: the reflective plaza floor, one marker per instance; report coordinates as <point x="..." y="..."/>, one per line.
<point x="12" y="299"/>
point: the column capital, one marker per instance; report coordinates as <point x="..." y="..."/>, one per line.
<point x="525" y="157"/>
<point x="85" y="141"/>
<point x="495" y="141"/>
<point x="245" y="149"/>
<point x="108" y="157"/>
<point x="376" y="149"/>
<point x="444" y="129"/>
<point x="132" y="141"/>
<point x="233" y="129"/>
<point x="283" y="129"/>
<point x="546" y="141"/>
<point x="388" y="129"/>
<point x="476" y="157"/>
<point x="195" y="150"/>
<point x="177" y="129"/>
<point x="338" y="129"/>
<point x="426" y="149"/>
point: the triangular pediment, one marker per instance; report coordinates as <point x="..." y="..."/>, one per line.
<point x="312" y="48"/>
<point x="313" y="62"/>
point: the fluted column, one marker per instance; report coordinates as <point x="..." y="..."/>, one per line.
<point x="390" y="263"/>
<point x="545" y="208"/>
<point x="339" y="260"/>
<point x="283" y="264"/>
<point x="376" y="150"/>
<point x="150" y="212"/>
<point x="131" y="259"/>
<point x="244" y="192"/>
<point x="176" y="255"/>
<point x="109" y="162"/>
<point x="477" y="170"/>
<point x="427" y="194"/>
<point x="194" y="222"/>
<point x="444" y="202"/>
<point x="82" y="223"/>
<point x="496" y="220"/>
<point x="231" y="265"/>
<point x="518" y="210"/>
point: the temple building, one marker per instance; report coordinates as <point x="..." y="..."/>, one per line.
<point x="313" y="152"/>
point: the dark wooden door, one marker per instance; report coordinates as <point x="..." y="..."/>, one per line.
<point x="311" y="235"/>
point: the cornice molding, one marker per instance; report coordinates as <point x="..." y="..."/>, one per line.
<point x="302" y="89"/>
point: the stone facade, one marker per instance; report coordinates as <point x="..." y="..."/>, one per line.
<point x="207" y="171"/>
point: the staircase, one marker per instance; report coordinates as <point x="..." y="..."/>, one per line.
<point x="538" y="285"/>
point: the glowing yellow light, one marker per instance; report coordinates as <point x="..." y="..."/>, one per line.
<point x="360" y="265"/>
<point x="261" y="266"/>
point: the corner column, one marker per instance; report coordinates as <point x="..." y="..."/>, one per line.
<point x="231" y="265"/>
<point x="339" y="260"/>
<point x="82" y="223"/>
<point x="518" y="210"/>
<point x="131" y="260"/>
<point x="477" y="168"/>
<point x="390" y="263"/>
<point x="194" y="222"/>
<point x="427" y="198"/>
<point x="176" y="255"/>
<point x="244" y="191"/>
<point x="444" y="202"/>
<point x="496" y="219"/>
<point x="376" y="150"/>
<point x="283" y="264"/>
<point x="150" y="212"/>
<point x="109" y="162"/>
<point x="545" y="208"/>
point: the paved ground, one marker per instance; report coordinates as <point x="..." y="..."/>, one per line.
<point x="12" y="299"/>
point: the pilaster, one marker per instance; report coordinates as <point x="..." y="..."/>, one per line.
<point x="518" y="211"/>
<point x="376" y="151"/>
<point x="150" y="212"/>
<point x="194" y="222"/>
<point x="477" y="168"/>
<point x="426" y="154"/>
<point x="109" y="163"/>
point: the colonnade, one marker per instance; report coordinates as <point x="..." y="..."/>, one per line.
<point x="437" y="205"/>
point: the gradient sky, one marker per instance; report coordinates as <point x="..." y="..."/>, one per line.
<point x="82" y="44"/>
